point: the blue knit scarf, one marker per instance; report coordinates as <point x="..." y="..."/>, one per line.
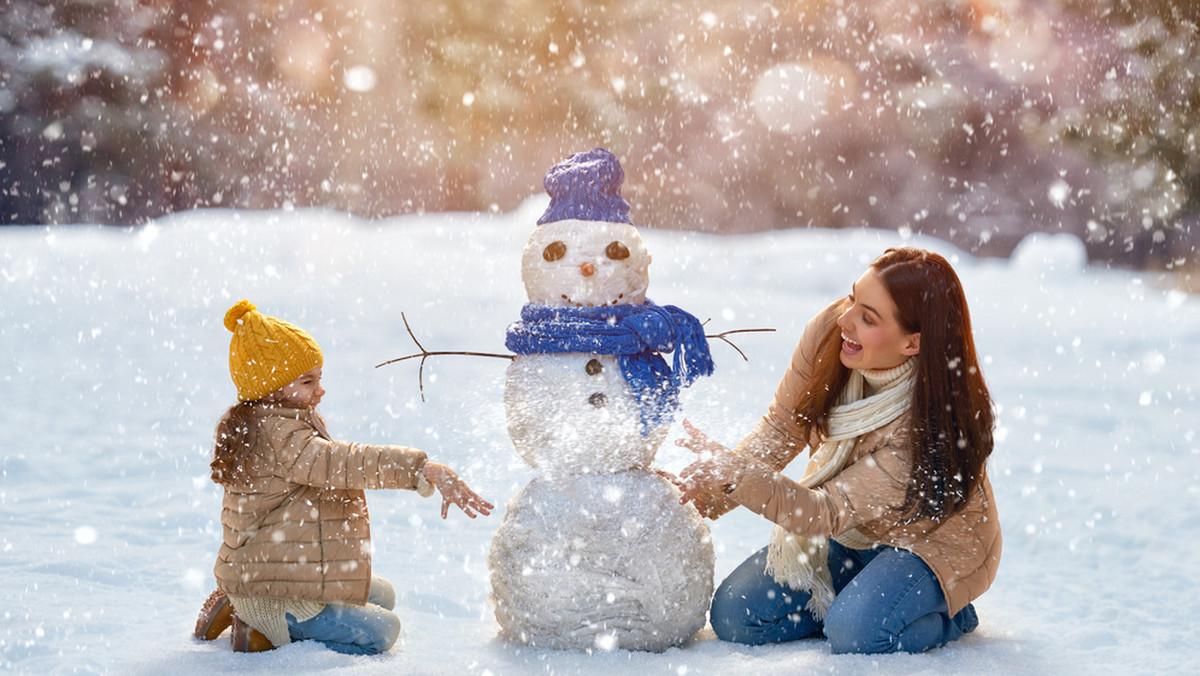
<point x="636" y="335"/>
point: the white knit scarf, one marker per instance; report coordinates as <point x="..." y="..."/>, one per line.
<point x="799" y="562"/>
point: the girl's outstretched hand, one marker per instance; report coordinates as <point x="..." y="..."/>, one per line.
<point x="454" y="490"/>
<point x="716" y="466"/>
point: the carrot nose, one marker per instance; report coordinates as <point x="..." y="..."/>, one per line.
<point x="587" y="269"/>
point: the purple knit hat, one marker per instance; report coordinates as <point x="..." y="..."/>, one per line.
<point x="586" y="187"/>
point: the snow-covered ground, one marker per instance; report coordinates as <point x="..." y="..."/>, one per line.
<point x="113" y="367"/>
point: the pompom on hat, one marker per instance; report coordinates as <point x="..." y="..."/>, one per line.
<point x="266" y="353"/>
<point x="586" y="187"/>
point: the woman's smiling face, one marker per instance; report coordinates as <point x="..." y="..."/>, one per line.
<point x="872" y="337"/>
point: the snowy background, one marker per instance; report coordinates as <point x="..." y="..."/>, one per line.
<point x="113" y="360"/>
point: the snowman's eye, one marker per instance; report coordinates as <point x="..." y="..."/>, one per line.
<point x="617" y="251"/>
<point x="593" y="367"/>
<point x="554" y="251"/>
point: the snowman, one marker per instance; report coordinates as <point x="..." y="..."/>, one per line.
<point x="596" y="553"/>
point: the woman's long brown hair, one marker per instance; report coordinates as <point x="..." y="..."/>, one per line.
<point x="951" y="416"/>
<point x="233" y="440"/>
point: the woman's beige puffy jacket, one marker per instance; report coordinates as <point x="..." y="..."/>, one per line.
<point x="963" y="551"/>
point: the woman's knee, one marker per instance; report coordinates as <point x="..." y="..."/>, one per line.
<point x="851" y="631"/>
<point x="759" y="614"/>
<point x="736" y="623"/>
<point x="729" y="614"/>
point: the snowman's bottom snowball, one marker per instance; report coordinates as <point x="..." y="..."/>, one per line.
<point x="600" y="563"/>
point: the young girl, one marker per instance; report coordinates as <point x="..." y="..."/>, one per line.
<point x="296" y="559"/>
<point x="886" y="390"/>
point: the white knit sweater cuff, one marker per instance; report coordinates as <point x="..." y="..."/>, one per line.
<point x="424" y="488"/>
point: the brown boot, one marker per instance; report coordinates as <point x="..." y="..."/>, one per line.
<point x="215" y="616"/>
<point x="246" y="639"/>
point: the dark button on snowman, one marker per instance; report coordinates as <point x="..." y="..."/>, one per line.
<point x="596" y="553"/>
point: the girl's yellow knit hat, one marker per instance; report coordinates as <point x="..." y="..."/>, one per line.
<point x="266" y="353"/>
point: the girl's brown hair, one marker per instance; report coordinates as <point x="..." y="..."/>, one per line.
<point x="951" y="415"/>
<point x="233" y="440"/>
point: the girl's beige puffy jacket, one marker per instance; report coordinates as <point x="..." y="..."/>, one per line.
<point x="963" y="551"/>
<point x="299" y="529"/>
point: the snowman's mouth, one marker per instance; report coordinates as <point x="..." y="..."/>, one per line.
<point x="616" y="301"/>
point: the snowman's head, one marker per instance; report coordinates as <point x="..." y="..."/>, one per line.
<point x="574" y="263"/>
<point x="585" y="251"/>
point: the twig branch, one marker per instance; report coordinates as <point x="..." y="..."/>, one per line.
<point x="722" y="337"/>
<point x="426" y="354"/>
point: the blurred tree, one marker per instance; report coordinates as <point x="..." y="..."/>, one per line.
<point x="113" y="112"/>
<point x="76" y="89"/>
<point x="976" y="121"/>
<point x="1139" y="127"/>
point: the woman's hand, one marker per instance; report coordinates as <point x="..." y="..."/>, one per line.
<point x="711" y="503"/>
<point x="716" y="468"/>
<point x="454" y="490"/>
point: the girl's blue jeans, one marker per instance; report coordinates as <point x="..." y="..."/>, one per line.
<point x="354" y="630"/>
<point x="887" y="600"/>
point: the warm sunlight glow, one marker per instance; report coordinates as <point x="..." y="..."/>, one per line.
<point x="793" y="97"/>
<point x="303" y="56"/>
<point x="1023" y="48"/>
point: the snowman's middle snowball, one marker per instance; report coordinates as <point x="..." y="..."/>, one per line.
<point x="574" y="413"/>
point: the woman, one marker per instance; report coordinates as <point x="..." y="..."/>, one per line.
<point x="886" y="390"/>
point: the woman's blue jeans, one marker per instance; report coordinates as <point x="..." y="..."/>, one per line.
<point x="354" y="630"/>
<point x="887" y="600"/>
